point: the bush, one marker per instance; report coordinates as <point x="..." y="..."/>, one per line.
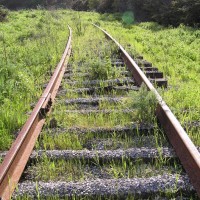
<point x="3" y="13"/>
<point x="145" y="101"/>
<point x="100" y="70"/>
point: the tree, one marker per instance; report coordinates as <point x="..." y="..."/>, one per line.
<point x="188" y="11"/>
<point x="93" y="4"/>
<point x="105" y="6"/>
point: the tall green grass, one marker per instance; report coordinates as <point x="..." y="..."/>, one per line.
<point x="31" y="44"/>
<point x="175" y="51"/>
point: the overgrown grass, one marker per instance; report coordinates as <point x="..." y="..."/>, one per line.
<point x="175" y="51"/>
<point x="29" y="53"/>
<point x="145" y="102"/>
<point x="31" y="44"/>
<point x="81" y="170"/>
<point x="87" y="47"/>
<point x="101" y="141"/>
<point x="94" y="120"/>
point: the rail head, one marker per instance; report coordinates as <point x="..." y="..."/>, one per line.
<point x="18" y="155"/>
<point x="184" y="147"/>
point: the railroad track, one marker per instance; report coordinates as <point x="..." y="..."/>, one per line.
<point x="97" y="144"/>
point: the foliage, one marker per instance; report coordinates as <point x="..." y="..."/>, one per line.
<point x="99" y="70"/>
<point x="27" y="55"/>
<point x="188" y="11"/>
<point x="80" y="26"/>
<point x="167" y="12"/>
<point x="145" y="102"/>
<point x="30" y="52"/>
<point x="102" y="68"/>
<point x="175" y="51"/>
<point x="3" y="13"/>
<point x="93" y="4"/>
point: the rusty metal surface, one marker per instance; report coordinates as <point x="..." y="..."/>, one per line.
<point x="183" y="146"/>
<point x="18" y="155"/>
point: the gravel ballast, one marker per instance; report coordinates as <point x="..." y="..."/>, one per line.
<point x="94" y="100"/>
<point x="93" y="90"/>
<point x="132" y="129"/>
<point x="124" y="81"/>
<point x="139" y="187"/>
<point x="97" y="111"/>
<point x="132" y="153"/>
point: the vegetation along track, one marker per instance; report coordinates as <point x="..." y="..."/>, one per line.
<point x="102" y="140"/>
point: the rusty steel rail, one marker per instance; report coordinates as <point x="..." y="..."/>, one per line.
<point x="15" y="160"/>
<point x="183" y="146"/>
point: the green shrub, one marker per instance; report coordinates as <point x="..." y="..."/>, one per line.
<point x="3" y="13"/>
<point x="101" y="70"/>
<point x="145" y="101"/>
